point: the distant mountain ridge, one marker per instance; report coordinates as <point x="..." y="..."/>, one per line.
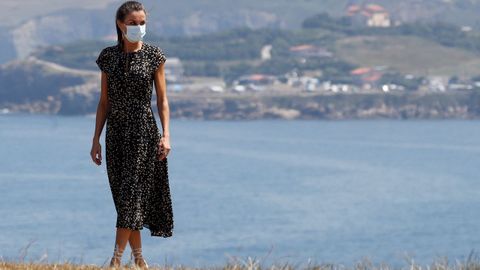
<point x="170" y="18"/>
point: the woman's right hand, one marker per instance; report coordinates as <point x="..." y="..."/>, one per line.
<point x="96" y="152"/>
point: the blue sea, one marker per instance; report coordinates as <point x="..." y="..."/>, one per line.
<point x="277" y="191"/>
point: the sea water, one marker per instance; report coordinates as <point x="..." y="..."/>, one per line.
<point x="276" y="191"/>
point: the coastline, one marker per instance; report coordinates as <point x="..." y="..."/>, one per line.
<point x="289" y="106"/>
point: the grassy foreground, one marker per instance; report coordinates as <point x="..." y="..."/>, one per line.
<point x="471" y="263"/>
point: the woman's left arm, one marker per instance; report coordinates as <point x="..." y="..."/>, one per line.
<point x="163" y="110"/>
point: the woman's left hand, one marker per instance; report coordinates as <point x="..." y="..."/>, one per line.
<point x="163" y="148"/>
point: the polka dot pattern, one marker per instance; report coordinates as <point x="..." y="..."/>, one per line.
<point x="138" y="180"/>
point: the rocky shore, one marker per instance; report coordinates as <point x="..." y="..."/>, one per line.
<point x="461" y="105"/>
<point x="330" y="106"/>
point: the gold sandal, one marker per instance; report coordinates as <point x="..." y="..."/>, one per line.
<point x="136" y="256"/>
<point x="116" y="260"/>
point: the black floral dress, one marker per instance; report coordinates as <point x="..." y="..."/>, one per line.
<point x="138" y="179"/>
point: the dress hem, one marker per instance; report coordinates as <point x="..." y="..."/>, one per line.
<point x="164" y="234"/>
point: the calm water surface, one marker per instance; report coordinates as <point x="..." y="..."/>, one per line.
<point x="278" y="191"/>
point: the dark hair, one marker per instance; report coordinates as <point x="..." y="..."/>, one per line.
<point x="122" y="12"/>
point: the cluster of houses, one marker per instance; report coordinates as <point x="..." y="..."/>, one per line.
<point x="363" y="79"/>
<point x="366" y="80"/>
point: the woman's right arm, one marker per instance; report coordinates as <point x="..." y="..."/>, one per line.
<point x="102" y="110"/>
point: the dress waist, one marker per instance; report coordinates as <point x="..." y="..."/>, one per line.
<point x="131" y="110"/>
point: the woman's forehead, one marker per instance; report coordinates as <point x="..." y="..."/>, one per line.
<point x="135" y="16"/>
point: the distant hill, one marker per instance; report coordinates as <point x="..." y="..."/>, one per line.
<point x="44" y="86"/>
<point x="14" y="11"/>
<point x="56" y="21"/>
<point x="418" y="49"/>
<point x="38" y="85"/>
<point x="408" y="55"/>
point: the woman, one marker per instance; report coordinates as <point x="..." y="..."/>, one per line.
<point x="136" y="152"/>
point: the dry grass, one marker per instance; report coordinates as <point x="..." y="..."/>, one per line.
<point x="471" y="263"/>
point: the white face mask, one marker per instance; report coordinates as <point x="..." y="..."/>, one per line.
<point x="135" y="33"/>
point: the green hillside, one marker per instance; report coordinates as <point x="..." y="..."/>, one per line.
<point x="408" y="54"/>
<point x="417" y="48"/>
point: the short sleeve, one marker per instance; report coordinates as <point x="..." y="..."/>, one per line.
<point x="103" y="61"/>
<point x="158" y="58"/>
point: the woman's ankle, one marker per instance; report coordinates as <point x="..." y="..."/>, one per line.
<point x="138" y="257"/>
<point x="117" y="256"/>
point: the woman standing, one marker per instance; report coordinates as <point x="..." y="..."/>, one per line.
<point x="136" y="152"/>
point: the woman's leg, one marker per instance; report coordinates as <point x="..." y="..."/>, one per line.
<point x="135" y="239"/>
<point x="121" y="239"/>
<point x="136" y="246"/>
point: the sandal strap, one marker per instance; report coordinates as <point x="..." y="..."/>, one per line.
<point x="137" y="252"/>
<point x="117" y="252"/>
<point x="137" y="255"/>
